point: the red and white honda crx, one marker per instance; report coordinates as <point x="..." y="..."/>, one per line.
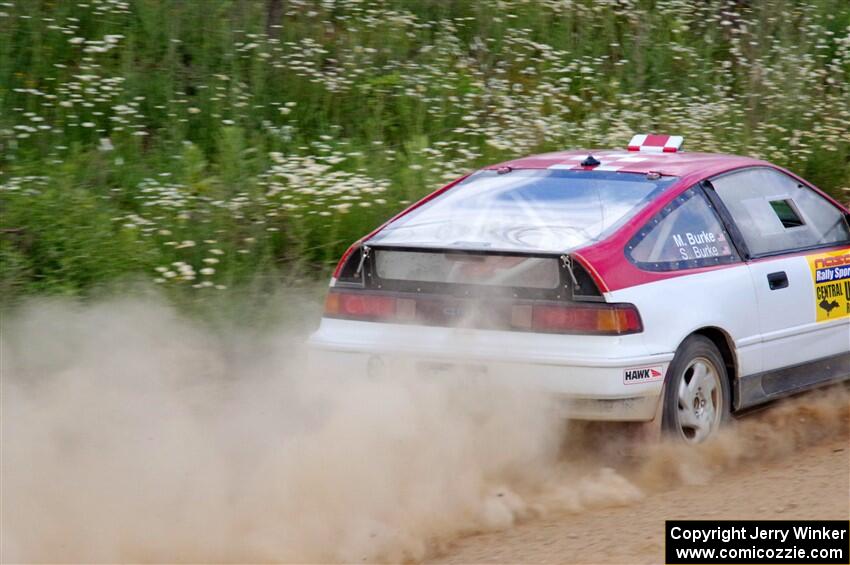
<point x="631" y="283"/>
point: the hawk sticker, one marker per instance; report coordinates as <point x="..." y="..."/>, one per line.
<point x="643" y="375"/>
<point x="831" y="275"/>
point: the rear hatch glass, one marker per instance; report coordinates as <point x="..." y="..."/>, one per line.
<point x="534" y="210"/>
<point x="467" y="273"/>
<point x="468" y="269"/>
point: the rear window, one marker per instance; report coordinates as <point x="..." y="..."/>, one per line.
<point x="685" y="234"/>
<point x="465" y="268"/>
<point x="545" y="210"/>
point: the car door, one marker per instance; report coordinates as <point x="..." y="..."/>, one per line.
<point x="793" y="239"/>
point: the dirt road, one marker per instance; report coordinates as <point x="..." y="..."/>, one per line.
<point x="224" y="447"/>
<point x="811" y="483"/>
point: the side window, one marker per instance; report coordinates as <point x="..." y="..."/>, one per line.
<point x="685" y="234"/>
<point x="775" y="213"/>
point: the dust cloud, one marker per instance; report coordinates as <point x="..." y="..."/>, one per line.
<point x="131" y="433"/>
<point x="778" y="430"/>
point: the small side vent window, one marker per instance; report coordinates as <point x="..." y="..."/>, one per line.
<point x="787" y="213"/>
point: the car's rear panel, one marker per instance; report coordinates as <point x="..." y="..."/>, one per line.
<point x="534" y="319"/>
<point x="514" y="291"/>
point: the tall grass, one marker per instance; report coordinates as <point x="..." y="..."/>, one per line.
<point x="204" y="143"/>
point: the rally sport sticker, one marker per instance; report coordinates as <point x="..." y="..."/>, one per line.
<point x="643" y="374"/>
<point x="831" y="276"/>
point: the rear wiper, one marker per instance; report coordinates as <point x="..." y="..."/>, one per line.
<point x="364" y="253"/>
<point x="567" y="261"/>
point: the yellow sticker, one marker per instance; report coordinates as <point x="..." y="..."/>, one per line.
<point x="831" y="275"/>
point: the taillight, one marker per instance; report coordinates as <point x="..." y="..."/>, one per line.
<point x="547" y="317"/>
<point x="603" y="319"/>
<point x="360" y="306"/>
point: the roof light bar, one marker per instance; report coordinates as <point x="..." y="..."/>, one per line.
<point x="651" y="143"/>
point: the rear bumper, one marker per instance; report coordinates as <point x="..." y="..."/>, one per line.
<point x="586" y="373"/>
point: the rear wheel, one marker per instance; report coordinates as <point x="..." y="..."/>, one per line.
<point x="696" y="394"/>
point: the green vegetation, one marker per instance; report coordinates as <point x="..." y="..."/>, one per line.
<point x="207" y="144"/>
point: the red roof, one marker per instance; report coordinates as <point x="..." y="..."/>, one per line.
<point x="676" y="164"/>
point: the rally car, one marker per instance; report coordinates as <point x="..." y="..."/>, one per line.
<point x="647" y="284"/>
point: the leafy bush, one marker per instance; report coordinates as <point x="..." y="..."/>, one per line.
<point x="203" y="143"/>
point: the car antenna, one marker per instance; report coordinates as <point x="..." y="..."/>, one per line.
<point x="591" y="161"/>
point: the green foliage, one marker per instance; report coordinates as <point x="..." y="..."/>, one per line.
<point x="59" y="237"/>
<point x="204" y="144"/>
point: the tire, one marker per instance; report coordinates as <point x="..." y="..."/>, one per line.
<point x="696" y="392"/>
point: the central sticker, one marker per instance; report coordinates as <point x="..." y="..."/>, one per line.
<point x="643" y="374"/>
<point x="831" y="277"/>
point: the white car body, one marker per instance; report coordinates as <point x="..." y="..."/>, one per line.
<point x="774" y="338"/>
